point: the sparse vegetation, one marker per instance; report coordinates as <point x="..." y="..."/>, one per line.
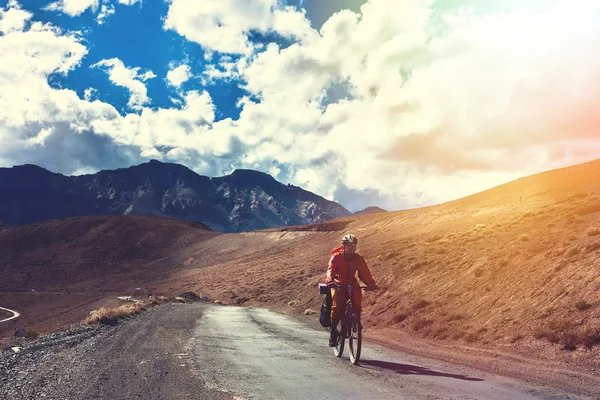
<point x="516" y="338"/>
<point x="472" y="337"/>
<point x="420" y="304"/>
<point x="309" y="311"/>
<point x="421" y="323"/>
<point x="590" y="209"/>
<point x="433" y="239"/>
<point x="110" y="316"/>
<point x="593" y="231"/>
<point x="524" y="237"/>
<point x="554" y="330"/>
<point x="578" y="195"/>
<point x="527" y="214"/>
<point x="593" y="246"/>
<point x="399" y="317"/>
<point x="582" y="305"/>
<point x="454" y="317"/>
<point x="32" y="335"/>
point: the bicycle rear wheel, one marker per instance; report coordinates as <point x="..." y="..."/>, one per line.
<point x="338" y="350"/>
<point x="355" y="339"/>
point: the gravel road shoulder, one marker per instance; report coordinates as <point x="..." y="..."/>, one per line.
<point x="149" y="356"/>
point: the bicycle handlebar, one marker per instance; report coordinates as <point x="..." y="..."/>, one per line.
<point x="341" y="287"/>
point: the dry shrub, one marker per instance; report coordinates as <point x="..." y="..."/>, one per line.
<point x="527" y="214"/>
<point x="472" y="337"/>
<point x="549" y="225"/>
<point x="420" y="304"/>
<point x="592" y="208"/>
<point x="454" y="317"/>
<point x="516" y="338"/>
<point x="110" y="316"/>
<point x="590" y="336"/>
<point x="574" y="219"/>
<point x="554" y="330"/>
<point x="457" y="334"/>
<point x="478" y="272"/>
<point x="433" y="239"/>
<point x="421" y="323"/>
<point x="32" y="335"/>
<point x="579" y="195"/>
<point x="586" y="336"/>
<point x="399" y="317"/>
<point x="573" y="251"/>
<point x="480" y="226"/>
<point x="309" y="311"/>
<point x="524" y="237"/>
<point x="569" y="340"/>
<point x="593" y="231"/>
<point x="592" y="246"/>
<point x="582" y="305"/>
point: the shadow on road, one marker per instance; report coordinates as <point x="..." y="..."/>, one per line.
<point x="408" y="369"/>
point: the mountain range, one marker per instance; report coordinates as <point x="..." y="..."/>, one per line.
<point x="245" y="200"/>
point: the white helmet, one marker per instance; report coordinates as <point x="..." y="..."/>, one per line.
<point x="349" y="239"/>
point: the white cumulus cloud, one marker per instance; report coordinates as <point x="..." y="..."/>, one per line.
<point x="74" y="8"/>
<point x="224" y="25"/>
<point x="178" y="75"/>
<point x="129" y="78"/>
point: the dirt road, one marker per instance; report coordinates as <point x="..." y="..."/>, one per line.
<point x="257" y="354"/>
<point x="11" y="314"/>
<point x="204" y="351"/>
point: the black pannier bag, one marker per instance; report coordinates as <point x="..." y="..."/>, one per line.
<point x="325" y="316"/>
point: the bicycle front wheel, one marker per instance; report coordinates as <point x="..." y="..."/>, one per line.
<point x="338" y="350"/>
<point x="355" y="339"/>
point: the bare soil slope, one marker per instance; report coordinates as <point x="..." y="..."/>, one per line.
<point x="54" y="273"/>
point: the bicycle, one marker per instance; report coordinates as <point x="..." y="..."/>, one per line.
<point x="349" y="327"/>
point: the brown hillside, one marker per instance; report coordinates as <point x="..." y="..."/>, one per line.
<point x="514" y="267"/>
<point x="55" y="272"/>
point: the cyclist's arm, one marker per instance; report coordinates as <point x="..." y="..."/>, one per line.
<point x="331" y="271"/>
<point x="364" y="273"/>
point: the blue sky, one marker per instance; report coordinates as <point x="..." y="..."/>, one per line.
<point x="395" y="103"/>
<point x="150" y="47"/>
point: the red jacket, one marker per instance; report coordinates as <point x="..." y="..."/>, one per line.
<point x="344" y="270"/>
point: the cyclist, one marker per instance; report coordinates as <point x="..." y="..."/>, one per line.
<point x="343" y="265"/>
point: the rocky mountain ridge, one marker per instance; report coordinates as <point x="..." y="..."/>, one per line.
<point x="245" y="200"/>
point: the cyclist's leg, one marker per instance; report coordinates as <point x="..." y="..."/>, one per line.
<point x="337" y="310"/>
<point x="357" y="300"/>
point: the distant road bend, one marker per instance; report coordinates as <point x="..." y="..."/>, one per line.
<point x="14" y="314"/>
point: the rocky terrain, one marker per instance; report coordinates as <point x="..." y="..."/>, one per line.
<point x="242" y="201"/>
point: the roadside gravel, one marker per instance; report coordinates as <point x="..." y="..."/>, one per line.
<point x="142" y="358"/>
